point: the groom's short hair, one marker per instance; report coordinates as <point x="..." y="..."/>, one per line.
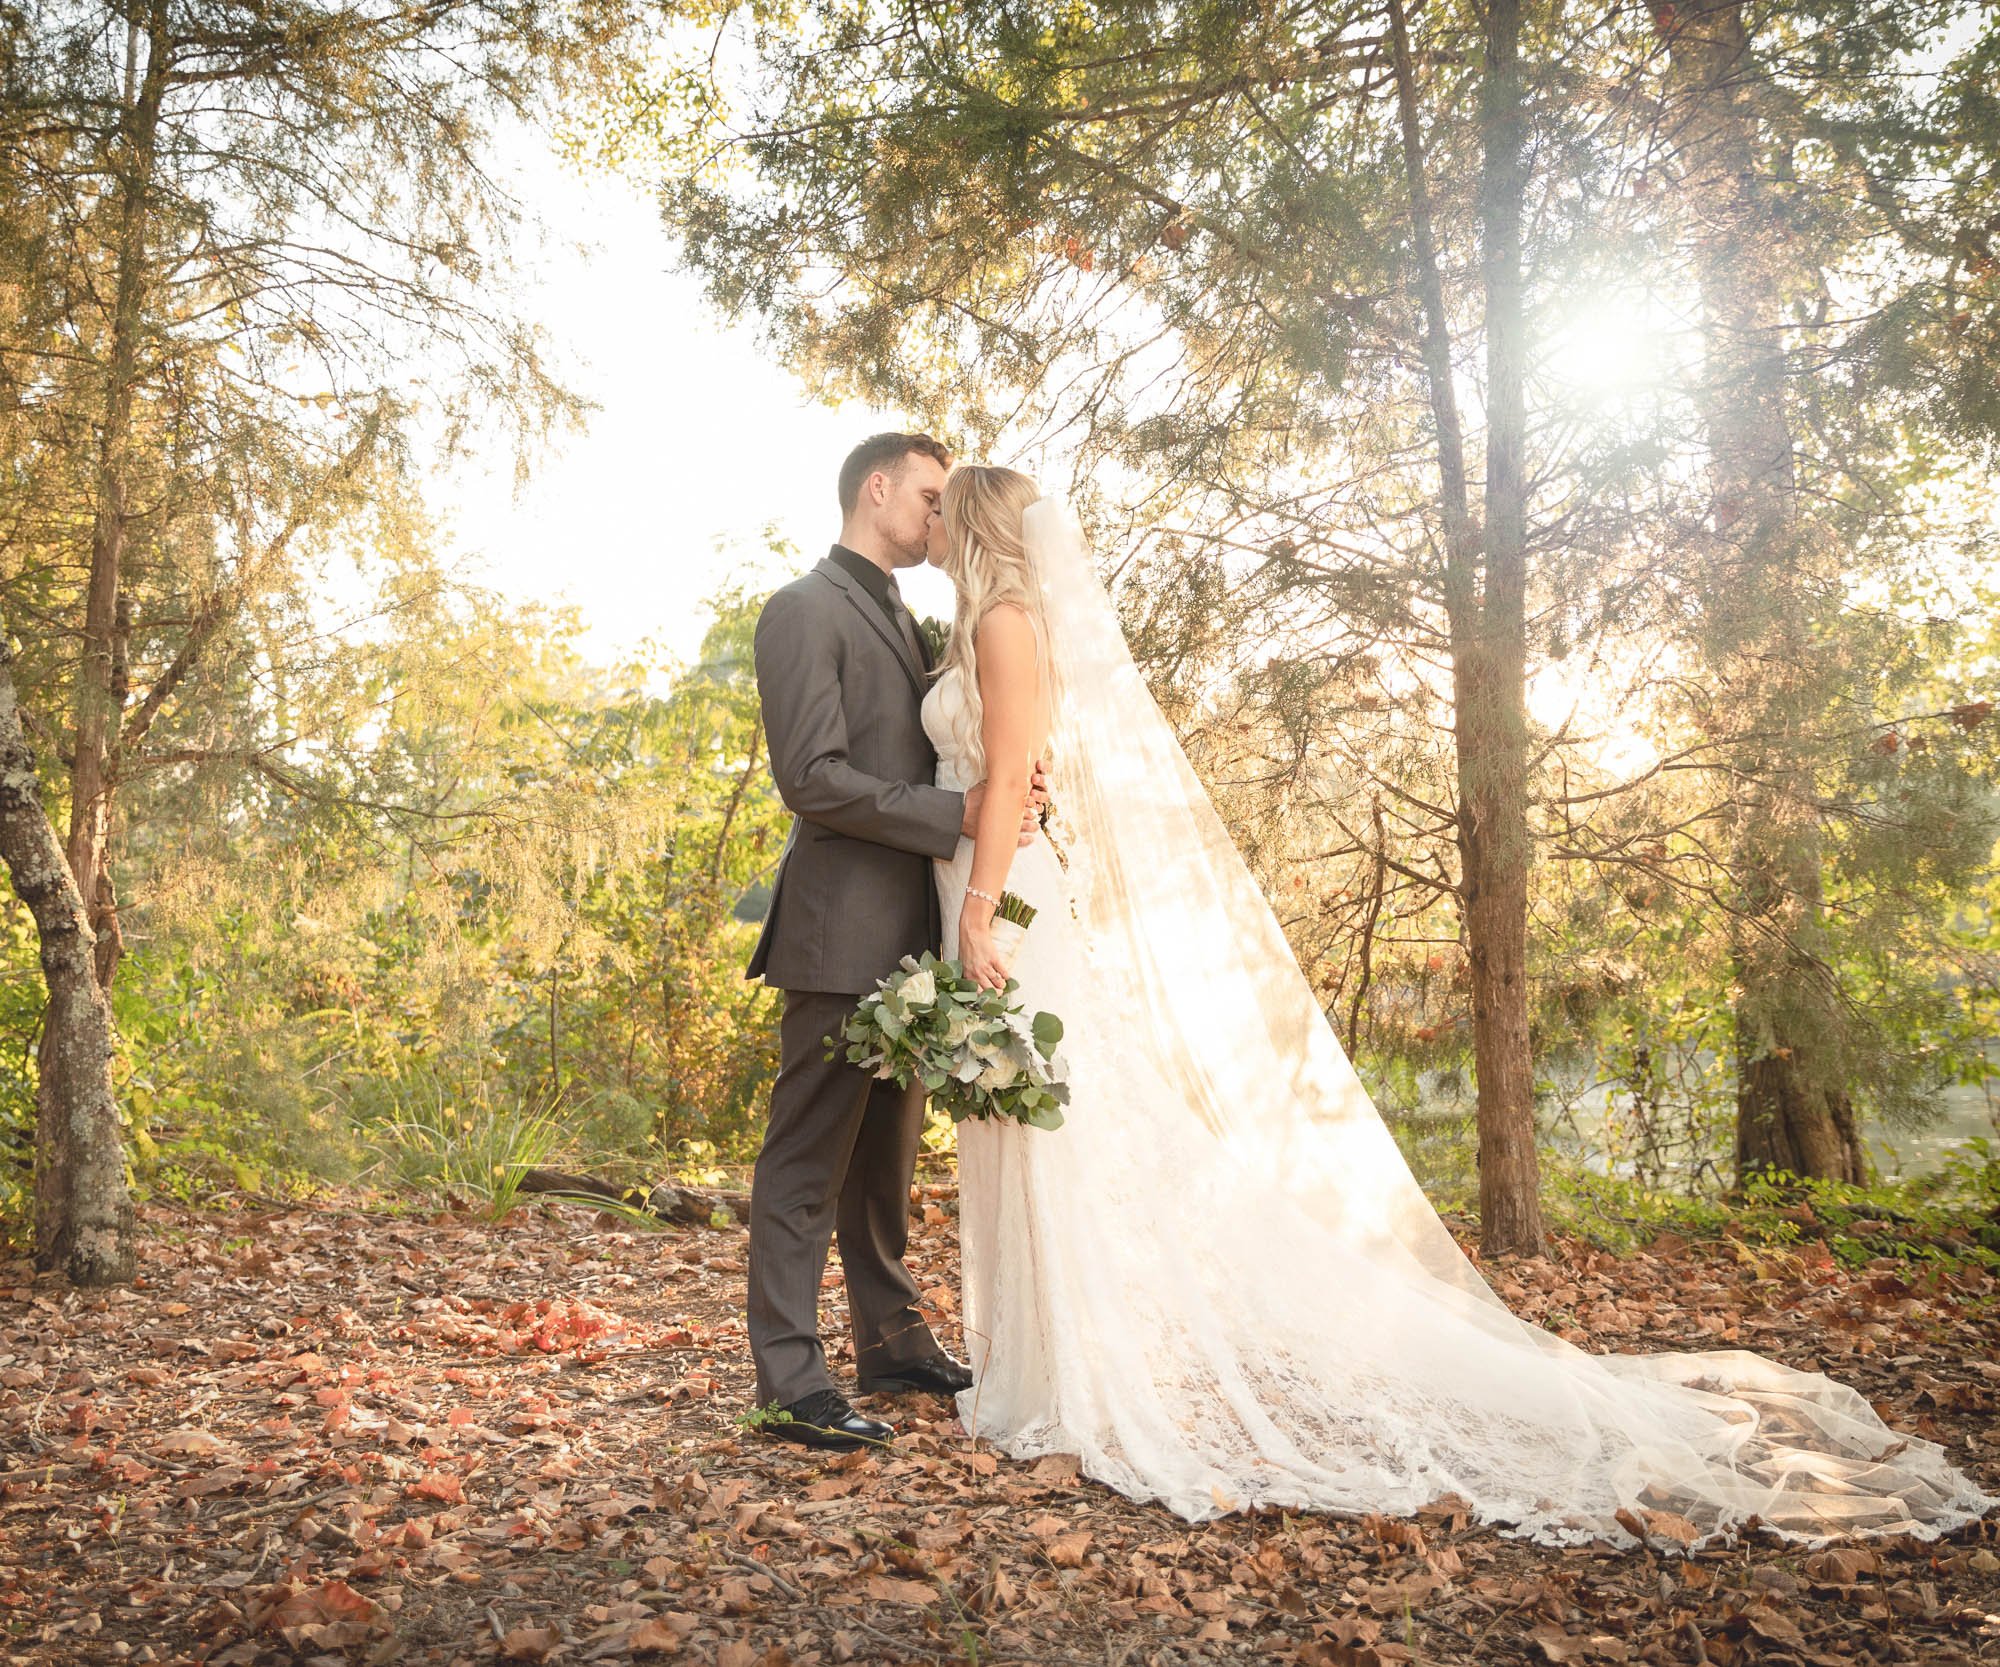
<point x="885" y="452"/>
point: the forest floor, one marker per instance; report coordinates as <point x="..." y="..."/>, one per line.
<point x="349" y="1433"/>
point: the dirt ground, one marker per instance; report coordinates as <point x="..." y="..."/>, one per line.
<point x="343" y="1433"/>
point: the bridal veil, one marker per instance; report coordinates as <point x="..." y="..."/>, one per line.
<point x="1276" y="1311"/>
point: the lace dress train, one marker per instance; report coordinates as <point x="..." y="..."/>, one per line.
<point x="1216" y="1299"/>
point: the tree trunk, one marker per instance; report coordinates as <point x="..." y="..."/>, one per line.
<point x="101" y="677"/>
<point x="1793" y="1112"/>
<point x="1488" y="651"/>
<point x="1783" y="1124"/>
<point x="1491" y="725"/>
<point x="83" y="1213"/>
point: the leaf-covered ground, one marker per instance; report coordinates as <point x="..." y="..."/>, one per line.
<point x="337" y="1436"/>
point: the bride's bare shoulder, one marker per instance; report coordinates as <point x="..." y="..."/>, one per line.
<point x="1005" y="638"/>
<point x="1004" y="626"/>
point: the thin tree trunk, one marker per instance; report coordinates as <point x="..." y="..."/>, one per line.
<point x="101" y="680"/>
<point x="1375" y="896"/>
<point x="1488" y="653"/>
<point x="83" y="1213"/>
<point x="737" y="795"/>
<point x="1793" y="1112"/>
<point x="555" y="1032"/>
<point x="1492" y="726"/>
<point x="82" y="1209"/>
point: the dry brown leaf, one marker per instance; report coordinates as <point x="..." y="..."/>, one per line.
<point x="1842" y="1565"/>
<point x="652" y="1638"/>
<point x="1056" y="1470"/>
<point x="1667" y="1526"/>
<point x="1066" y="1550"/>
<point x="1559" y="1646"/>
<point x="188" y="1442"/>
<point x="1773" y="1624"/>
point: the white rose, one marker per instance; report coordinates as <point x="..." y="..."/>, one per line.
<point x="920" y="989"/>
<point x="1000" y="1074"/>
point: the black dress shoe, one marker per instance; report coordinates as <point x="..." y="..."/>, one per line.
<point x="824" y="1419"/>
<point x="938" y="1375"/>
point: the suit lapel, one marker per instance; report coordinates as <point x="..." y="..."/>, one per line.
<point x="877" y="621"/>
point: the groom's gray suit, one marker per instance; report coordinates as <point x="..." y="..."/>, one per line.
<point x="841" y="672"/>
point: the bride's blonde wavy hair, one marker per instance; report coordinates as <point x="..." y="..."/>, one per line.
<point x="988" y="564"/>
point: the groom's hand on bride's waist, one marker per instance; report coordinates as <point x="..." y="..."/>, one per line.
<point x="1034" y="814"/>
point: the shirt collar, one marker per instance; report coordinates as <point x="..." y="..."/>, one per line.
<point x="870" y="577"/>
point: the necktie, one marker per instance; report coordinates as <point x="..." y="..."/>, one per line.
<point x="905" y="624"/>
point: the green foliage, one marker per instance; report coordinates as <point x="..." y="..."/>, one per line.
<point x="476" y="1149"/>
<point x="1945" y="1217"/>
<point x="508" y="921"/>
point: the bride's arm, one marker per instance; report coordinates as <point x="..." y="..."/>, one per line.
<point x="1009" y="692"/>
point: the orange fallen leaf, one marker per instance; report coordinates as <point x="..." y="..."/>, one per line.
<point x="529" y="1643"/>
<point x="653" y="1637"/>
<point x="1671" y="1527"/>
<point x="439" y="1485"/>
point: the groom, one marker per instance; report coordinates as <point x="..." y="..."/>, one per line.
<point x="841" y="672"/>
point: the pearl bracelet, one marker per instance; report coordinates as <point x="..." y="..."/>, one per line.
<point x="974" y="891"/>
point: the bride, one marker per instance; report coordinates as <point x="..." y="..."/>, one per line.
<point x="1218" y="1284"/>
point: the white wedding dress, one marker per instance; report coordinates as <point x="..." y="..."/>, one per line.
<point x="1218" y="1283"/>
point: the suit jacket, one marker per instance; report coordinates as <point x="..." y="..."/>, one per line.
<point x="841" y="698"/>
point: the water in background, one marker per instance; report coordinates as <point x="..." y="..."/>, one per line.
<point x="1575" y="1103"/>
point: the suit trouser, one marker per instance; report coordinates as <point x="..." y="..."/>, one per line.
<point x="839" y="1151"/>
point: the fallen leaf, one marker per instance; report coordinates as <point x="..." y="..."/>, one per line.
<point x="1671" y="1527"/>
<point x="652" y="1638"/>
<point x="440" y="1485"/>
<point x="919" y="1593"/>
<point x="188" y="1442"/>
<point x="1066" y="1550"/>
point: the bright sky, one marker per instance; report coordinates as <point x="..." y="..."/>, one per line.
<point x="700" y="436"/>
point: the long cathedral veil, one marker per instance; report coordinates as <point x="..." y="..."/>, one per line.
<point x="1187" y="958"/>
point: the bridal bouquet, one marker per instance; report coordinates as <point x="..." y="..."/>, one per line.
<point x="974" y="1049"/>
